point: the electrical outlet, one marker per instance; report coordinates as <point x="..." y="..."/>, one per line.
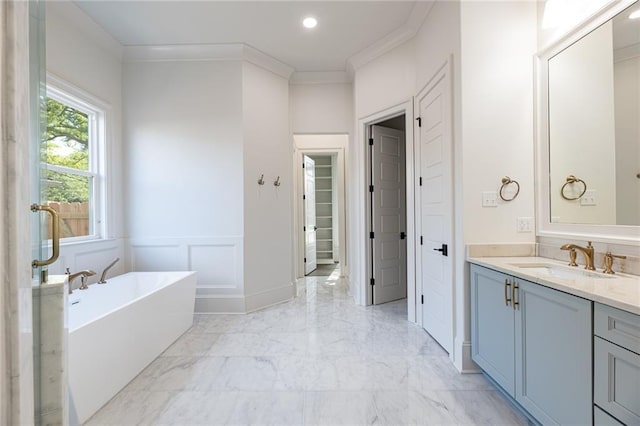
<point x="524" y="224"/>
<point x="490" y="199"/>
<point x="589" y="198"/>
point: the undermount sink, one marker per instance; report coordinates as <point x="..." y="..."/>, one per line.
<point x="559" y="271"/>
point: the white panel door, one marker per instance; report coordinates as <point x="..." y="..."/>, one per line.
<point x="389" y="215"/>
<point x="435" y="208"/>
<point x="310" y="245"/>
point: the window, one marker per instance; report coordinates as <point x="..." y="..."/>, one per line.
<point x="73" y="155"/>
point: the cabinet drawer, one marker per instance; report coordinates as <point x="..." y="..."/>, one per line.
<point x="619" y="327"/>
<point x="617" y="381"/>
<point x="602" y="418"/>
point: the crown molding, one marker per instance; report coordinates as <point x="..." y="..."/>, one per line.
<point x="319" y="77"/>
<point x="403" y="34"/>
<point x="206" y="52"/>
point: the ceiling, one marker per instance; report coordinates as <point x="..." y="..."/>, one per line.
<point x="344" y="29"/>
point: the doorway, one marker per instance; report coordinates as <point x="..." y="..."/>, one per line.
<point x="388" y="210"/>
<point x="320" y="208"/>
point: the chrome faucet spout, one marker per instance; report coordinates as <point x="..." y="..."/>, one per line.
<point x="104" y="273"/>
<point x="587" y="251"/>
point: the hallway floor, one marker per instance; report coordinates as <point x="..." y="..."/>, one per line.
<point x="319" y="359"/>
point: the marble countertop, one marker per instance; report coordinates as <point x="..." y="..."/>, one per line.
<point x="622" y="291"/>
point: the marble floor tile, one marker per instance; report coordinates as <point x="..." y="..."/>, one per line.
<point x="412" y="408"/>
<point x="268" y="408"/>
<point x="198" y="408"/>
<point x="192" y="343"/>
<point x="317" y="360"/>
<point x="340" y="408"/>
<point x="131" y="407"/>
<point x="488" y="407"/>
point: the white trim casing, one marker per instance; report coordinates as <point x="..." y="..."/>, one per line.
<point x="601" y="233"/>
<point x="298" y="151"/>
<point x="364" y="298"/>
<point x="99" y="149"/>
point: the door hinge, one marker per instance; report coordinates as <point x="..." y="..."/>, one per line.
<point x="305" y="260"/>
<point x="420" y="239"/>
<point x="370" y="188"/>
<point x="303" y="165"/>
<point x="373" y="281"/>
<point x="403" y="235"/>
<point x="304" y="228"/>
<point x="371" y="141"/>
<point x="304" y="197"/>
<point x="419" y="119"/>
<point x="420" y="180"/>
<point x="371" y="235"/>
<point x="422" y="299"/>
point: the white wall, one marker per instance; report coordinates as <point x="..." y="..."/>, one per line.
<point x="497" y="133"/>
<point x="582" y="129"/>
<point x="321" y="108"/>
<point x="627" y="149"/>
<point x="387" y="81"/>
<point x="81" y="53"/>
<point x="497" y="115"/>
<point x="268" y="209"/>
<point x="493" y="123"/>
<point x="184" y="180"/>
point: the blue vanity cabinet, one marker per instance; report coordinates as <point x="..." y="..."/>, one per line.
<point x="553" y="355"/>
<point x="617" y="364"/>
<point x="536" y="343"/>
<point x="493" y="326"/>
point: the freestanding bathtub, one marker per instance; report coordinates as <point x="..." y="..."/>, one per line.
<point x="116" y="329"/>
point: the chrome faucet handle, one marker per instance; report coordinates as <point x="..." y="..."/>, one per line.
<point x="608" y="262"/>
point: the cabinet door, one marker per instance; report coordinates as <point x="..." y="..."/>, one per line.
<point x="553" y="355"/>
<point x="492" y="326"/>
<point x="617" y="381"/>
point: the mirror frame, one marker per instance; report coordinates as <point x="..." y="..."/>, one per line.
<point x="622" y="234"/>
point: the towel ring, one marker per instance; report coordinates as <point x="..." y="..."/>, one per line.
<point x="571" y="179"/>
<point x="505" y="182"/>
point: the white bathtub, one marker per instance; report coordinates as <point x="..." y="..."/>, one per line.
<point x="116" y="329"/>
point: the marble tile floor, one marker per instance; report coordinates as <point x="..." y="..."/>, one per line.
<point x="317" y="360"/>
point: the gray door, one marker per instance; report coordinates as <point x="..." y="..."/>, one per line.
<point x="389" y="215"/>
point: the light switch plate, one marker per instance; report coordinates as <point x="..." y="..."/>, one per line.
<point x="490" y="199"/>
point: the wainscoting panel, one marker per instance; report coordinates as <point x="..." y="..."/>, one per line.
<point x="218" y="262"/>
<point x="158" y="258"/>
<point x="94" y="255"/>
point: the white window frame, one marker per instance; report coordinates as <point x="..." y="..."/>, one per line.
<point x="98" y="114"/>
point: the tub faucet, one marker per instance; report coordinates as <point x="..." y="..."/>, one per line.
<point x="104" y="273"/>
<point x="83" y="274"/>
<point x="587" y="251"/>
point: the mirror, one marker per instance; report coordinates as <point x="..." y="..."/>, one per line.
<point x="593" y="102"/>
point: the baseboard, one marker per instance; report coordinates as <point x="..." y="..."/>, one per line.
<point x="220" y="304"/>
<point x="274" y="296"/>
<point x="462" y="357"/>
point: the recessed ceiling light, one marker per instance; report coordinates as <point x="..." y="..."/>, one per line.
<point x="310" y="22"/>
<point x="635" y="15"/>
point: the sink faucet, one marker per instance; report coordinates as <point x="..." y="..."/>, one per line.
<point x="83" y="274"/>
<point x="587" y="251"/>
<point x="104" y="273"/>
